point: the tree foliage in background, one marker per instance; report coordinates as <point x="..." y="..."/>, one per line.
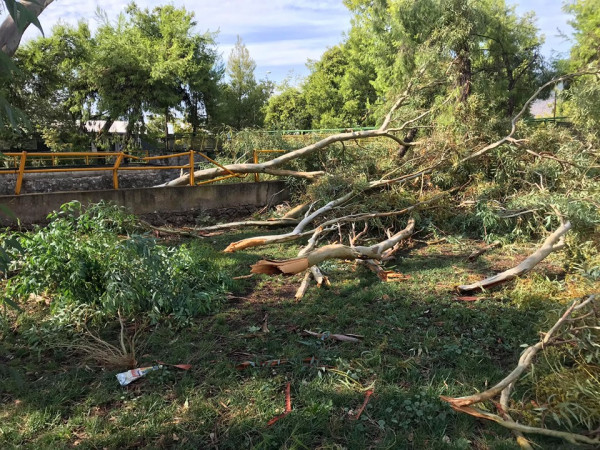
<point x="243" y="97"/>
<point x="146" y="61"/>
<point x="582" y="98"/>
<point x="492" y="54"/>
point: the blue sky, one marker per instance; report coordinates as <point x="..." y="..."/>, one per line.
<point x="282" y="34"/>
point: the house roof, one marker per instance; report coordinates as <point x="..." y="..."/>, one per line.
<point x="118" y="126"/>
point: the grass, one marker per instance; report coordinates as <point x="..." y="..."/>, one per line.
<point x="419" y="343"/>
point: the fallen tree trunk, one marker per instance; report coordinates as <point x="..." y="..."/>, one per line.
<point x="298" y="232"/>
<point x="333" y="251"/>
<point x="552" y="243"/>
<point x="273" y="165"/>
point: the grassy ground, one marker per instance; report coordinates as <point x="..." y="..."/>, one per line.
<point x="419" y="342"/>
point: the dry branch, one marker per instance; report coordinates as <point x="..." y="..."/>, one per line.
<point x="477" y="253"/>
<point x="283" y="222"/>
<point x="171" y="231"/>
<point x="298" y="231"/>
<point x="303" y="286"/>
<point x="552" y="243"/>
<point x="504" y="389"/>
<point x="333" y="251"/>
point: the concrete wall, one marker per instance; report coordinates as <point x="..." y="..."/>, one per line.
<point x="220" y="200"/>
<point x="92" y="180"/>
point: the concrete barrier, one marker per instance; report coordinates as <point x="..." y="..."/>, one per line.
<point x="33" y="208"/>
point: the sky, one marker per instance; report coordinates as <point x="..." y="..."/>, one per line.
<point x="282" y="35"/>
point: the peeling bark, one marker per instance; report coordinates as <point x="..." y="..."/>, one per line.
<point x="333" y="251"/>
<point x="552" y="243"/>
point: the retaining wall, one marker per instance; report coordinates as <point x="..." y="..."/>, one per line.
<point x="163" y="205"/>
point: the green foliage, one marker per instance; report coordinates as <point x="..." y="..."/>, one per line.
<point x="412" y="352"/>
<point x="94" y="257"/>
<point x="287" y="111"/>
<point x="565" y="384"/>
<point x="147" y="61"/>
<point x="586" y="23"/>
<point x="243" y="98"/>
<point x="338" y="91"/>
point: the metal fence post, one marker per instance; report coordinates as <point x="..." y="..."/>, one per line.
<point x="20" y="175"/>
<point x="192" y="181"/>
<point x="116" y="170"/>
<point x="256" y="177"/>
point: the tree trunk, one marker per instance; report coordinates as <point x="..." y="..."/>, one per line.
<point x="410" y="136"/>
<point x="166" y="130"/>
<point x="464" y="74"/>
<point x="10" y="34"/>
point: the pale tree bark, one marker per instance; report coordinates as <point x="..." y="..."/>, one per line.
<point x="299" y="231"/>
<point x="333" y="251"/>
<point x="505" y="387"/>
<point x="10" y="34"/>
<point x="273" y="165"/>
<point x="552" y="243"/>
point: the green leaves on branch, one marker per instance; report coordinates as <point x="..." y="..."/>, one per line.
<point x="94" y="257"/>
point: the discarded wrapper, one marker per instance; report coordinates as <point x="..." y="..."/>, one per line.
<point x="131" y="375"/>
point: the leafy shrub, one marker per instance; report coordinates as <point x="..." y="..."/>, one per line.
<point x="95" y="257"/>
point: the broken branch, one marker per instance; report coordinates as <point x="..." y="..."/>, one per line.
<point x="333" y="251"/>
<point x="552" y="243"/>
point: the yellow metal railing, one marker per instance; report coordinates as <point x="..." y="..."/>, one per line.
<point x="256" y="153"/>
<point x="20" y="167"/>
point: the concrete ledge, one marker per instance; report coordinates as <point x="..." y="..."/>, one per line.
<point x="33" y="208"/>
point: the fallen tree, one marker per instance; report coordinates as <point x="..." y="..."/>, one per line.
<point x="273" y="165"/>
<point x="343" y="210"/>
<point x="332" y="251"/>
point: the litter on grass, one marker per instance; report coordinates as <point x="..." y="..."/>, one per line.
<point x="338" y="337"/>
<point x="135" y="374"/>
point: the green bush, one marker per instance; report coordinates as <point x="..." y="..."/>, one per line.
<point x="95" y="257"/>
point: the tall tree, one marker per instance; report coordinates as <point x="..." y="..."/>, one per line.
<point x="586" y="23"/>
<point x="288" y="110"/>
<point x="145" y="61"/>
<point x="490" y="50"/>
<point x="243" y="97"/>
<point x="583" y="95"/>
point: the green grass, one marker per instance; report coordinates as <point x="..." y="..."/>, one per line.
<point x="419" y="343"/>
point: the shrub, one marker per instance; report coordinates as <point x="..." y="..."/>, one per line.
<point x="96" y="257"/>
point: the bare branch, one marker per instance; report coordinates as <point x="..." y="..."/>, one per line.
<point x="552" y="243"/>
